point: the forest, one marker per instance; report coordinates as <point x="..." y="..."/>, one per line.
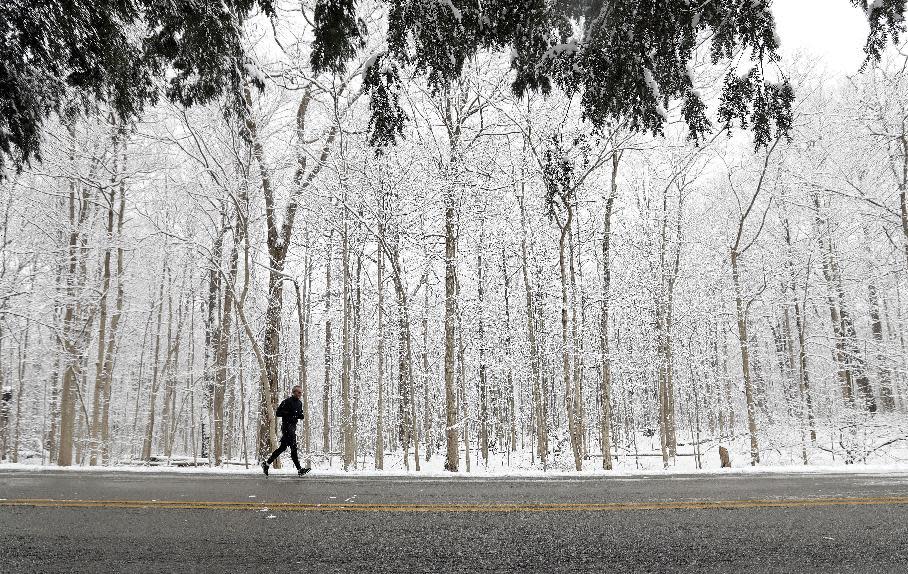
<point x="510" y="286"/>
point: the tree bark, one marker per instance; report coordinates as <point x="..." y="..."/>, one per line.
<point x="72" y="341"/>
<point x="212" y="328"/>
<point x="744" y="344"/>
<point x="149" y="427"/>
<point x="110" y="353"/>
<point x="736" y="251"/>
<point x="536" y="384"/>
<point x="669" y="265"/>
<point x="380" y="369"/>
<point x="406" y="407"/>
<point x="852" y="370"/>
<point x="428" y="418"/>
<point x="169" y="414"/>
<point x="511" y="407"/>
<point x="326" y="386"/>
<point x="567" y="343"/>
<point x="222" y="347"/>
<point x="483" y="376"/>
<point x="903" y="192"/>
<point x="452" y="454"/>
<point x="887" y="397"/>
<point x="100" y="363"/>
<point x="605" y="383"/>
<point x="303" y="302"/>
<point x="346" y="402"/>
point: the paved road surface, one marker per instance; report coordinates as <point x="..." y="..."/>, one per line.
<point x="54" y="521"/>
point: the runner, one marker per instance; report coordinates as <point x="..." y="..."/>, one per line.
<point x="290" y="411"/>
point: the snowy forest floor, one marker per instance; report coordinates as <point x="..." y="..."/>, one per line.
<point x="434" y="470"/>
<point x="647" y="463"/>
<point x="882" y="447"/>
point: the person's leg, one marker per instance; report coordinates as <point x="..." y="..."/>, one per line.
<point x="277" y="452"/>
<point x="293" y="457"/>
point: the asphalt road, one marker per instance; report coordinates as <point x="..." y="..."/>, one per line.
<point x="54" y="521"/>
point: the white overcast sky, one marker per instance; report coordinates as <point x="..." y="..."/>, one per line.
<point x="832" y="30"/>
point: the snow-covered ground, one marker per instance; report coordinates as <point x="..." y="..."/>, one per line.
<point x="879" y="445"/>
<point x="434" y="469"/>
<point x="521" y="466"/>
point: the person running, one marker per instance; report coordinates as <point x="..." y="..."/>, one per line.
<point x="290" y="411"/>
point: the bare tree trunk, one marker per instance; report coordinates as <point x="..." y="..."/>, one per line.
<point x="803" y="372"/>
<point x="428" y="419"/>
<point x="788" y="367"/>
<point x="100" y="364"/>
<point x="241" y="383"/>
<point x="845" y="382"/>
<point x="577" y="347"/>
<point x="111" y="343"/>
<point x="452" y="455"/>
<point x="512" y="412"/>
<point x="669" y="268"/>
<point x="6" y="399"/>
<point x="406" y="404"/>
<point x="212" y="328"/>
<point x="23" y="360"/>
<point x="605" y="382"/>
<point x="736" y="251"/>
<point x="462" y="389"/>
<point x="346" y="404"/>
<point x="852" y="371"/>
<point x="536" y="384"/>
<point x="567" y="343"/>
<point x="54" y="408"/>
<point x="806" y="406"/>
<point x="79" y="206"/>
<point x="302" y="313"/>
<point x="900" y="328"/>
<point x="380" y="371"/>
<point x="357" y="353"/>
<point x="68" y="392"/>
<point x="903" y="191"/>
<point x="326" y="386"/>
<point x="169" y="414"/>
<point x="222" y="347"/>
<point x="140" y="376"/>
<point x="190" y="383"/>
<point x="887" y="397"/>
<point x="272" y="342"/>
<point x="743" y="341"/>
<point x="79" y="433"/>
<point x="839" y="352"/>
<point x="483" y="377"/>
<point x="230" y="407"/>
<point x="265" y="396"/>
<point x="149" y="428"/>
<point x="854" y="357"/>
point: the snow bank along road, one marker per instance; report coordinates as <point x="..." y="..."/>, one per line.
<point x="143" y="522"/>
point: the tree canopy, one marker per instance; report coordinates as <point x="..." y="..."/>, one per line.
<point x="56" y="56"/>
<point x="626" y="59"/>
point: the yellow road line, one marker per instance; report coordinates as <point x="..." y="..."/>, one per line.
<point x="466" y="507"/>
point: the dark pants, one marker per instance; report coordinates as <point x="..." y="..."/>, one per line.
<point x="288" y="439"/>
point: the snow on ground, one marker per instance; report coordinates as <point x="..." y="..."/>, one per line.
<point x="497" y="468"/>
<point x="781" y="452"/>
<point x="434" y="471"/>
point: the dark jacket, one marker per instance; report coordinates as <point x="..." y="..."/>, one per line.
<point x="290" y="411"/>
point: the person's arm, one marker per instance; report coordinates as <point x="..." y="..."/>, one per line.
<point x="281" y="409"/>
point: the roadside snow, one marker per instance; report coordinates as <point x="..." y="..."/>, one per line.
<point x="437" y="472"/>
